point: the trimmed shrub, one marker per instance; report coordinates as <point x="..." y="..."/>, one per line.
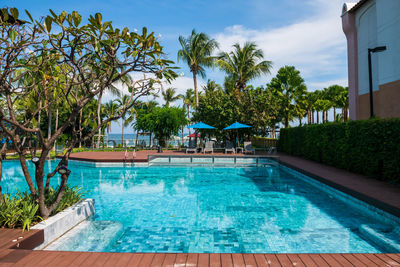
<point x="369" y="147"/>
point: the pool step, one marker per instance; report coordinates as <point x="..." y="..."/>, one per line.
<point x="89" y="236"/>
<point x="384" y="236"/>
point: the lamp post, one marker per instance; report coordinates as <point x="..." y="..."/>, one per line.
<point x="371" y="97"/>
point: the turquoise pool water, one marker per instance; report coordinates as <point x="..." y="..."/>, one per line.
<point x="268" y="209"/>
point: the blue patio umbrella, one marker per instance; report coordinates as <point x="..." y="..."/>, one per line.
<point x="200" y="125"/>
<point x="236" y="126"/>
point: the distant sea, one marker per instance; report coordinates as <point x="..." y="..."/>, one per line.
<point x="131" y="139"/>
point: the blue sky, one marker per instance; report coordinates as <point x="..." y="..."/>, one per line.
<point x="306" y="34"/>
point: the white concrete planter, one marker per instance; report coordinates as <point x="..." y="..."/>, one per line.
<point x="62" y="222"/>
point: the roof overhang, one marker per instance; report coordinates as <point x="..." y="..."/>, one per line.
<point x="352" y="7"/>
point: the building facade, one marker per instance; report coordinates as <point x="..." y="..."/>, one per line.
<point x="368" y="24"/>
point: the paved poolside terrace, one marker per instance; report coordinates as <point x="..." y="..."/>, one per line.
<point x="16" y="247"/>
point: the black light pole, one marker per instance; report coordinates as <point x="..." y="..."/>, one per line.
<point x="371" y="98"/>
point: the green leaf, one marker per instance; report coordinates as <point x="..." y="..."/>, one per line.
<point x="77" y="18"/>
<point x="29" y="15"/>
<point x="5" y="14"/>
<point x="98" y="18"/>
<point x="62" y="16"/>
<point x="13" y="34"/>
<point x="47" y="23"/>
<point x="14" y="12"/>
<point x="125" y="31"/>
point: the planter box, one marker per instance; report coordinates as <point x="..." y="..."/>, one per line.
<point x="62" y="222"/>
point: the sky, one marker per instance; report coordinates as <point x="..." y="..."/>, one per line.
<point x="306" y="34"/>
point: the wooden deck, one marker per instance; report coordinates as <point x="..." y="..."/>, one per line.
<point x="14" y="257"/>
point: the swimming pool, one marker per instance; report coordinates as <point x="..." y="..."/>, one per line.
<point x="217" y="209"/>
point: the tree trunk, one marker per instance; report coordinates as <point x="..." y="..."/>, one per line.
<point x="123" y="126"/>
<point x="312" y="118"/>
<point x="195" y="89"/>
<point x="39" y="114"/>
<point x="80" y="130"/>
<point x="286" y="121"/>
<point x="334" y="114"/>
<point x="50" y="118"/>
<point x="99" y="118"/>
<point x="3" y="150"/>
<point x="317" y="117"/>
<point x="137" y="137"/>
<point x="55" y="143"/>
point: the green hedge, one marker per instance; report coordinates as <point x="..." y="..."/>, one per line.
<point x="369" y="147"/>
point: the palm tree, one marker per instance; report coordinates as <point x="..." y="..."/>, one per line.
<point x="110" y="110"/>
<point x="242" y="64"/>
<point x="197" y="52"/>
<point x="343" y="101"/>
<point x="123" y="102"/>
<point x="211" y="86"/>
<point x="289" y="87"/>
<point x="188" y="101"/>
<point x="169" y="96"/>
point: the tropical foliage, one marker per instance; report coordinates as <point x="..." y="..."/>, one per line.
<point x="244" y="64"/>
<point x="196" y="51"/>
<point x="21" y="209"/>
<point x="163" y="122"/>
<point x="370" y="147"/>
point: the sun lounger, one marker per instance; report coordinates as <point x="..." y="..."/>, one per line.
<point x="208" y="147"/>
<point x="192" y="147"/>
<point x="248" y="148"/>
<point x="229" y="147"/>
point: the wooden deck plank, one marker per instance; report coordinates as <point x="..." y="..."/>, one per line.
<point x="51" y="256"/>
<point x="191" y="260"/>
<point x="146" y="259"/>
<point x="33" y="258"/>
<point x="307" y="260"/>
<point x="296" y="261"/>
<point x="249" y="260"/>
<point x="63" y="258"/>
<point x="91" y="259"/>
<point x="331" y="259"/>
<point x="318" y="259"/>
<point x="135" y="260"/>
<point x="226" y="260"/>
<point x="272" y="260"/>
<point x="342" y="260"/>
<point x="238" y="260"/>
<point x="80" y="259"/>
<point x="284" y="260"/>
<point x="13" y="255"/>
<point x="180" y="259"/>
<point x="118" y="259"/>
<point x="261" y="260"/>
<point x="158" y="260"/>
<point x="387" y="259"/>
<point x="364" y="259"/>
<point x="215" y="260"/>
<point x="353" y="260"/>
<point x="169" y="260"/>
<point x="395" y="257"/>
<point x="203" y="260"/>
<point x="381" y="259"/>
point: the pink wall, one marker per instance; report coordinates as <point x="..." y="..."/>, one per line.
<point x="350" y="30"/>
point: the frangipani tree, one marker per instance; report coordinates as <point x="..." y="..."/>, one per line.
<point x="91" y="57"/>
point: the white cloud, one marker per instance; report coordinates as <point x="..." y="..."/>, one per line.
<point x="321" y="85"/>
<point x="316" y="45"/>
